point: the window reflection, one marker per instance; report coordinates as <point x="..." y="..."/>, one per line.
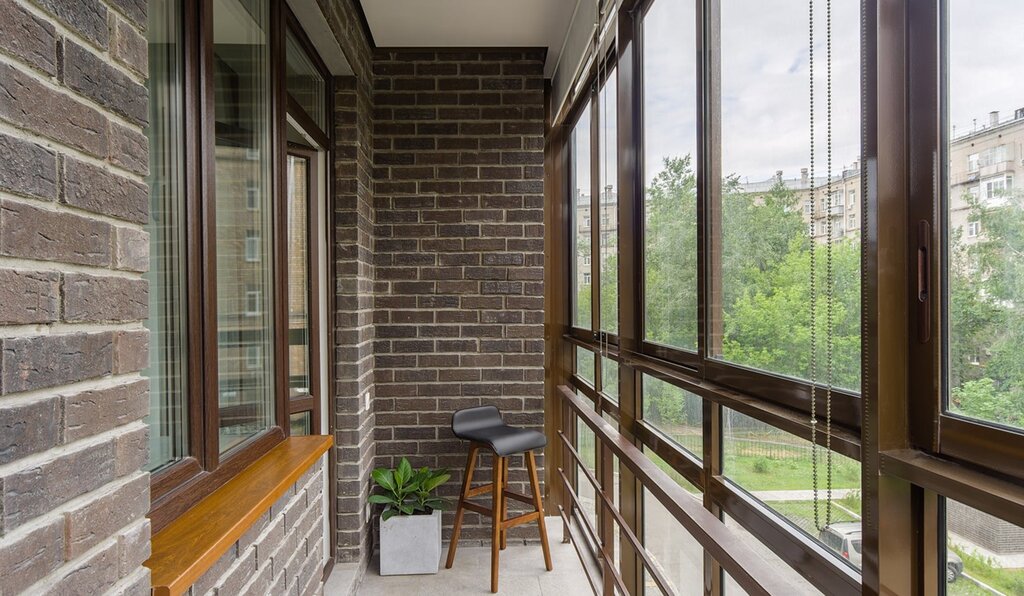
<point x="242" y="155"/>
<point x="582" y="224"/>
<point x="168" y="288"/>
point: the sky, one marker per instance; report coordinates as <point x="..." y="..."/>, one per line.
<point x="765" y="78"/>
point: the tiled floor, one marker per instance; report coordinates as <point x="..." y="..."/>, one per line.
<point x="522" y="573"/>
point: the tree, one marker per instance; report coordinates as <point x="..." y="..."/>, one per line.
<point x="670" y="255"/>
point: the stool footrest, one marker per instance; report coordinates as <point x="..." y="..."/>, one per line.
<point x="519" y="497"/>
<point x="519" y="519"/>
<point x="482" y="510"/>
<point x="480" y="490"/>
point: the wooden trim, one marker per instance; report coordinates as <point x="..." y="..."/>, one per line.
<point x="192" y="543"/>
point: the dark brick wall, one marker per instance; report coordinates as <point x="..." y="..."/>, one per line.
<point x="73" y="248"/>
<point x="353" y="283"/>
<point x="458" y="250"/>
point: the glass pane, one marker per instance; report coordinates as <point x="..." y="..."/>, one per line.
<point x="676" y="412"/>
<point x="679" y="555"/>
<point x="985" y="214"/>
<point x="301" y="423"/>
<point x="304" y="82"/>
<point x="670" y="196"/>
<point x="168" y="297"/>
<point x="245" y="323"/>
<point x="298" y="276"/>
<point x="984" y="554"/>
<point x="796" y="582"/>
<point x="581" y="220"/>
<point x="610" y="378"/>
<point x="586" y="447"/>
<point x="776" y="468"/>
<point x="773" y="203"/>
<point x="609" y="230"/>
<point x="585" y="364"/>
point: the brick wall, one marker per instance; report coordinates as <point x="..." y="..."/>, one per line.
<point x="989" y="532"/>
<point x="458" y="254"/>
<point x="282" y="553"/>
<point x="73" y="205"/>
<point x="353" y="284"/>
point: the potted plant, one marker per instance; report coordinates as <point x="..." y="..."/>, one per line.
<point x="410" y="525"/>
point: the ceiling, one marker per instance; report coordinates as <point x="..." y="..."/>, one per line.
<point x="471" y="23"/>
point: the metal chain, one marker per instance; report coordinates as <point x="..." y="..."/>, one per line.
<point x="829" y="273"/>
<point x="813" y="290"/>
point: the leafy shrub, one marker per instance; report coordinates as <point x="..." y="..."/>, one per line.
<point x="407" y="491"/>
<point x="762" y="465"/>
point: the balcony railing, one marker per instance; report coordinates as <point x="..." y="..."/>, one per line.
<point x="735" y="557"/>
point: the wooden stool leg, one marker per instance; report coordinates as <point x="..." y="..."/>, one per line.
<point x="504" y="502"/>
<point x="531" y="465"/>
<point x="496" y="504"/>
<point x="459" y="510"/>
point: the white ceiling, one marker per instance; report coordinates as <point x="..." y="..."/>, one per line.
<point x="471" y="23"/>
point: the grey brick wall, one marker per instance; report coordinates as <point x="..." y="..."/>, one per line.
<point x="458" y="253"/>
<point x="353" y="335"/>
<point x="73" y="206"/>
<point x="282" y="553"/>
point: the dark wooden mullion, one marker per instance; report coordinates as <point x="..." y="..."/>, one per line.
<point x="630" y="261"/>
<point x="279" y="181"/>
<point x="305" y="121"/>
<point x="709" y="248"/>
<point x="195" y="271"/>
<point x="594" y="97"/>
<point x="208" y="227"/>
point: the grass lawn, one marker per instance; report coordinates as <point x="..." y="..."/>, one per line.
<point x="1007" y="581"/>
<point x="801" y="513"/>
<point x="761" y="473"/>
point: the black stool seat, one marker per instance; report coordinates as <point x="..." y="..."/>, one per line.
<point x="483" y="424"/>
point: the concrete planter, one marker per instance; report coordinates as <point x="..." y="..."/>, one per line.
<point x="410" y="544"/>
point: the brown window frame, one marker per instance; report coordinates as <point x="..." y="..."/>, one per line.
<point x="976" y="443"/>
<point x="179" y="485"/>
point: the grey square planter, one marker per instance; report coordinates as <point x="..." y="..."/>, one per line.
<point x="410" y="544"/>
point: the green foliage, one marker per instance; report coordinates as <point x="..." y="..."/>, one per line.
<point x="986" y="316"/>
<point x="762" y="465"/>
<point x="407" y="491"/>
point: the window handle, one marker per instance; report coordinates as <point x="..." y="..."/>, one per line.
<point x="924" y="281"/>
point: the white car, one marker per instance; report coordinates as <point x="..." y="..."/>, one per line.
<point x="844" y="538"/>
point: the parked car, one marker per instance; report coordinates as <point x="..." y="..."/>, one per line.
<point x="845" y="539"/>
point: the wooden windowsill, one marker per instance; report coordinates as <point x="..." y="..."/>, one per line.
<point x="193" y="542"/>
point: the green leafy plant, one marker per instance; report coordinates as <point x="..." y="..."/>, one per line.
<point x="407" y="491"/>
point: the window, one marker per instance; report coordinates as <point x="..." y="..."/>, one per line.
<point x="585" y="365"/>
<point x="669" y="174"/>
<point x="973" y="164"/>
<point x="609" y="201"/>
<point x="252" y="198"/>
<point x="676" y="413"/>
<point x="586" y="260"/>
<point x="581" y="190"/>
<point x="253" y="357"/>
<point x="764" y="265"/>
<point x="998" y="188"/>
<point x="253" y="250"/>
<point x="851" y="198"/>
<point x="214" y="317"/>
<point x="981" y="550"/>
<point x="777" y="468"/>
<point x="252" y="303"/>
<point x="851" y="221"/>
<point x="985" y="353"/>
<point x="304" y="82"/>
<point x="168" y="272"/>
<point x="677" y="552"/>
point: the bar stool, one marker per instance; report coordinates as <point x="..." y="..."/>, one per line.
<point x="483" y="428"/>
